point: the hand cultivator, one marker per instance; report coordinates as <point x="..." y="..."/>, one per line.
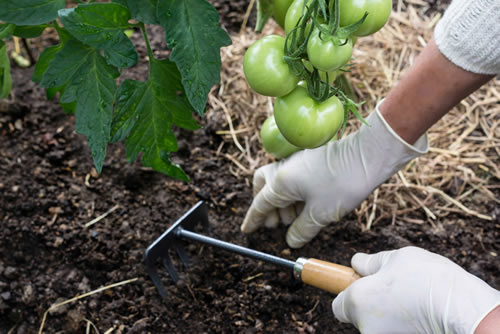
<point x="321" y="274"/>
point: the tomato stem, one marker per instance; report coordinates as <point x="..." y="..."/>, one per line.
<point x="146" y="40"/>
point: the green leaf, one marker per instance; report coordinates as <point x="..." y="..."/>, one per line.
<point x="5" y="78"/>
<point x="30" y="12"/>
<point x="6" y="29"/>
<point x="44" y="60"/>
<point x="145" y="113"/>
<point x="90" y="83"/>
<point x="69" y="108"/>
<point x="144" y="11"/>
<point x="43" y="63"/>
<point x="101" y="25"/>
<point x="64" y="35"/>
<point x="29" y="31"/>
<point x="265" y="10"/>
<point x="195" y="37"/>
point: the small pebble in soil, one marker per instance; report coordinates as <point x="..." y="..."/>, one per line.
<point x="5" y="295"/>
<point x="73" y="319"/>
<point x="181" y="283"/>
<point x="286" y="252"/>
<point x="28" y="295"/>
<point x="10" y="273"/>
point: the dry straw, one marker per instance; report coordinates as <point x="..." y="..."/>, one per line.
<point x="85" y="295"/>
<point x="458" y="177"/>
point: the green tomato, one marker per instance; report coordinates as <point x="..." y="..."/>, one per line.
<point x="294" y="13"/>
<point x="327" y="54"/>
<point x="306" y="123"/>
<point x="280" y="9"/>
<point x="274" y="142"/>
<point x="265" y="70"/>
<point x="352" y="11"/>
<point x="332" y="75"/>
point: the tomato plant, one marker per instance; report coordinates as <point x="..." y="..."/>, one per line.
<point x="294" y="13"/>
<point x="305" y="122"/>
<point x="83" y="69"/>
<point x="265" y="70"/>
<point x="352" y="11"/>
<point x="274" y="142"/>
<point x="328" y="53"/>
<point x="280" y="8"/>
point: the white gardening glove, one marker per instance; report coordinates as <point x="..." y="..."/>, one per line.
<point x="331" y="180"/>
<point x="410" y="291"/>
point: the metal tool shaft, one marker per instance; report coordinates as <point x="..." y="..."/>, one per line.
<point x="182" y="233"/>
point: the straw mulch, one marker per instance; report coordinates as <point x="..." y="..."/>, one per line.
<point x="458" y="178"/>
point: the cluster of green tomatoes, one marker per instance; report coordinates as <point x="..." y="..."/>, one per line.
<point x="302" y="69"/>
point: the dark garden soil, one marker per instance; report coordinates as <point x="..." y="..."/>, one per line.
<point x="49" y="191"/>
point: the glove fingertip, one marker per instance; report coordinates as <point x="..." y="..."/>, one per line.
<point x="303" y="229"/>
<point x="250" y="223"/>
<point x="244" y="228"/>
<point x="294" y="240"/>
<point x="338" y="308"/>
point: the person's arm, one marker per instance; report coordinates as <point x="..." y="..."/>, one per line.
<point x="411" y="290"/>
<point x="430" y="88"/>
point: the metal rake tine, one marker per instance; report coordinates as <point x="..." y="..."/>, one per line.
<point x="167" y="263"/>
<point x="168" y="240"/>
<point x="179" y="249"/>
<point x="153" y="274"/>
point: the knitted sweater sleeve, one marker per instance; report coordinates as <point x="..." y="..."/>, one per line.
<point x="469" y="35"/>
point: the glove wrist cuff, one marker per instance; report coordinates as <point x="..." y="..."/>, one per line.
<point x="421" y="146"/>
<point x="383" y="151"/>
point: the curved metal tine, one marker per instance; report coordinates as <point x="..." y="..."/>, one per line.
<point x="167" y="263"/>
<point x="153" y="274"/>
<point x="179" y="249"/>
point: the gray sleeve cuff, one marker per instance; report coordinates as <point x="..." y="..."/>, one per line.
<point x="469" y="35"/>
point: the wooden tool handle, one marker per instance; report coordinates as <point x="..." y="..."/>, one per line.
<point x="328" y="276"/>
